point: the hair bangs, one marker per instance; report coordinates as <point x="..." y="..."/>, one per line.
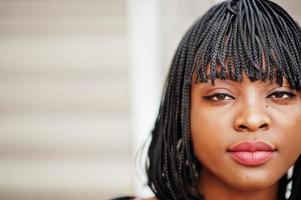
<point x="253" y="37"/>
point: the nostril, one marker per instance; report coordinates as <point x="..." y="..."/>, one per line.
<point x="263" y="126"/>
<point x="242" y="127"/>
<point x="246" y="127"/>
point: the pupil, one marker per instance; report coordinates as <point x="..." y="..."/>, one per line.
<point x="279" y="95"/>
<point x="221" y="96"/>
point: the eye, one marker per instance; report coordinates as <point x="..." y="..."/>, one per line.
<point x="219" y="97"/>
<point x="281" y="95"/>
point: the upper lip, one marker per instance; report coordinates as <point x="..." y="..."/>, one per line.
<point x="252" y="146"/>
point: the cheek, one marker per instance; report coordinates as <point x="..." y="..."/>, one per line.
<point x="290" y="146"/>
<point x="292" y="140"/>
<point x="288" y="126"/>
<point x="208" y="135"/>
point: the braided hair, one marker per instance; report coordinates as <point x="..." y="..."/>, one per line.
<point x="255" y="37"/>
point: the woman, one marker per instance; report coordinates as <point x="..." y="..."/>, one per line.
<point x="229" y="124"/>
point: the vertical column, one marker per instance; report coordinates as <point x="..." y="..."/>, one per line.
<point x="144" y="53"/>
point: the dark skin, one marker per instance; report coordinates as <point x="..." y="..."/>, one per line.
<point x="229" y="112"/>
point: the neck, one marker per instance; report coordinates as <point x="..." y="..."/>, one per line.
<point x="214" y="189"/>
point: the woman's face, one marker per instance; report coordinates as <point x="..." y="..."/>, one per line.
<point x="246" y="134"/>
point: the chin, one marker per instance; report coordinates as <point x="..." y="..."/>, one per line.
<point x="252" y="183"/>
<point x="252" y="186"/>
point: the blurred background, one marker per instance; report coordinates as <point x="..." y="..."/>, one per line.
<point x="80" y="85"/>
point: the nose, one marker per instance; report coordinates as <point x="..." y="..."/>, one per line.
<point x="252" y="118"/>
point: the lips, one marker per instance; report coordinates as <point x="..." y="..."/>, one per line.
<point x="252" y="153"/>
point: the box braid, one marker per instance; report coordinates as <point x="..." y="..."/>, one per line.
<point x="256" y="37"/>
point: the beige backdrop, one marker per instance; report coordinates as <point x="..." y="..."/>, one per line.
<point x="64" y="108"/>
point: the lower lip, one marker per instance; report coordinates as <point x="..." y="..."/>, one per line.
<point x="252" y="158"/>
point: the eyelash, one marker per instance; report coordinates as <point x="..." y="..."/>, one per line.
<point x="289" y="94"/>
<point x="277" y="93"/>
<point x="210" y="98"/>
